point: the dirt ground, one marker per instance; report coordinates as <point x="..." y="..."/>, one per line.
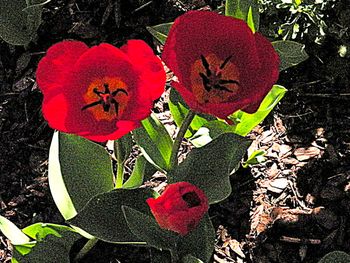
<point x="295" y="207"/>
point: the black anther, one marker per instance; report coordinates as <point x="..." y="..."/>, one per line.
<point x="206" y="65"/>
<point x="119" y="90"/>
<point x="225" y="62"/>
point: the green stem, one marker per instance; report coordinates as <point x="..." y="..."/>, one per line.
<point x="120" y="166"/>
<point x="179" y="137"/>
<point x="86" y="248"/>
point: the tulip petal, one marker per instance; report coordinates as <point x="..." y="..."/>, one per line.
<point x="149" y="65"/>
<point x="57" y="63"/>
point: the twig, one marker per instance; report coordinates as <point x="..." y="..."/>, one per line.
<point x="340" y="96"/>
<point x="142" y="7"/>
<point x="300" y="240"/>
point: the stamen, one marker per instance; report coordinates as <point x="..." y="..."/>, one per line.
<point x="116" y="106"/>
<point x="225" y="62"/>
<point x="219" y="87"/>
<point x="119" y="90"/>
<point x="91" y="105"/>
<point x="106" y="86"/>
<point x="206" y="65"/>
<point x="228" y="81"/>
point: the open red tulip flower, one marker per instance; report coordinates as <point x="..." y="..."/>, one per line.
<point x="100" y="93"/>
<point x="179" y="208"/>
<point x="221" y="65"/>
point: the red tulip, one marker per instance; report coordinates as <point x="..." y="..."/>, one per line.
<point x="220" y="64"/>
<point x="100" y="93"/>
<point x="180" y="207"/>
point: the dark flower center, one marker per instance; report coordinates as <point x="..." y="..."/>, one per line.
<point x="192" y="199"/>
<point x="107" y="99"/>
<point x="212" y="79"/>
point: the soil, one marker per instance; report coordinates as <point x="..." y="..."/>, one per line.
<point x="298" y="218"/>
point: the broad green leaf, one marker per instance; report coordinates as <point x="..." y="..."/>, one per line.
<point x="12" y="232"/>
<point x="191" y="259"/>
<point x="50" y="238"/>
<point x="103" y="218"/>
<point x="179" y="110"/>
<point x="210" y="131"/>
<point x="123" y="147"/>
<point x="250" y="19"/>
<point x="245" y="122"/>
<point x="155" y="142"/>
<point x="291" y="53"/>
<point x="160" y="32"/>
<point x="247" y="10"/>
<point x="23" y="249"/>
<point x="160" y="256"/>
<point x="19" y="20"/>
<point x="149" y="230"/>
<point x="78" y="170"/>
<point x="209" y="167"/>
<point x="39" y="231"/>
<point x="51" y="249"/>
<point x="336" y="257"/>
<point x="256" y="157"/>
<point x="57" y="185"/>
<point x="199" y="242"/>
<point x="136" y="178"/>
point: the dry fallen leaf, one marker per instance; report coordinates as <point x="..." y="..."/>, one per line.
<point x="303" y="154"/>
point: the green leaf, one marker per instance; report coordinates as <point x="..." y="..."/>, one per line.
<point x="210" y="131"/>
<point x="50" y="238"/>
<point x="136" y="178"/>
<point x="191" y="259"/>
<point x="125" y="144"/>
<point x="19" y="20"/>
<point x="336" y="257"/>
<point x="256" y="157"/>
<point x="291" y="53"/>
<point x="23" y="249"/>
<point x="245" y="122"/>
<point x="209" y="167"/>
<point x="52" y="249"/>
<point x="160" y="256"/>
<point x="155" y="142"/>
<point x="179" y="110"/>
<point x="39" y="231"/>
<point x="160" y="32"/>
<point x="103" y="217"/>
<point x="78" y="170"/>
<point x="199" y="242"/>
<point x="149" y="230"/>
<point x="247" y="10"/>
<point x="12" y="232"/>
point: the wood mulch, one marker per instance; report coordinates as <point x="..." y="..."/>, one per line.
<point x="294" y="207"/>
